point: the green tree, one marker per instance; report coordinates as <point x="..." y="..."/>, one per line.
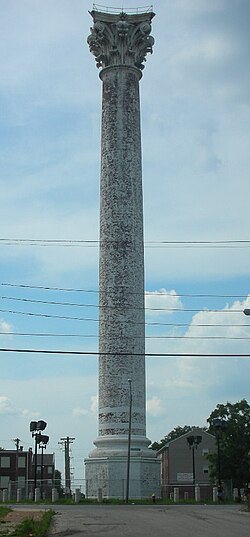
<point x="58" y="482"/>
<point x="175" y="433"/>
<point x="234" y="441"/>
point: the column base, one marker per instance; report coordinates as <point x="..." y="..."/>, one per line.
<point x="106" y="469"/>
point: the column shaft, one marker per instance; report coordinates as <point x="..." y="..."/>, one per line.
<point x="121" y="270"/>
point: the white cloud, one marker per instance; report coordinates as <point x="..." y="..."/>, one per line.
<point x="5" y="327"/>
<point x="29" y="413"/>
<point x="6" y="406"/>
<point x="91" y="409"/>
<point x="162" y="302"/>
<point x="94" y="403"/>
<point x="154" y="407"/>
<point x="78" y="412"/>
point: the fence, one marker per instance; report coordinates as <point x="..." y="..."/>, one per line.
<point x="114" y="489"/>
<point x="129" y="11"/>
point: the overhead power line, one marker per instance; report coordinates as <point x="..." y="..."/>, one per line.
<point x="149" y="354"/>
<point x="98" y="306"/>
<point x="91" y="319"/>
<point x="233" y="243"/>
<point x="147" y="293"/>
<point x="95" y="336"/>
<point x="172" y="325"/>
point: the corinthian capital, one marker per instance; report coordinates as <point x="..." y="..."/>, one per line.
<point x="121" y="39"/>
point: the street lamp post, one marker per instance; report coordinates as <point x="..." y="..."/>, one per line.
<point x="43" y="441"/>
<point x="129" y="439"/>
<point x="193" y="442"/>
<point x="35" y="428"/>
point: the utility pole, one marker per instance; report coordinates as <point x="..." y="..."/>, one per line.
<point x="66" y="443"/>
<point x="17" y="443"/>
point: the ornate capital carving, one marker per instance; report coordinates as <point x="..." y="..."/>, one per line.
<point x="121" y="39"/>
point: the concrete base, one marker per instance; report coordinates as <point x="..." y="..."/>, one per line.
<point x="110" y="475"/>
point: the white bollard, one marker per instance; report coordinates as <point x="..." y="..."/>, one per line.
<point x="235" y="494"/>
<point x="18" y="495"/>
<point x="99" y="495"/>
<point x="176" y="494"/>
<point x="37" y="495"/>
<point x="54" y="495"/>
<point x="5" y="495"/>
<point x="214" y="494"/>
<point x="197" y="493"/>
<point x="77" y="495"/>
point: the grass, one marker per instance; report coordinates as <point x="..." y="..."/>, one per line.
<point x="29" y="526"/>
<point x="3" y="512"/>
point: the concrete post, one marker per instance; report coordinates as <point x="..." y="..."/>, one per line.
<point x="5" y="495"/>
<point x="54" y="495"/>
<point x="18" y="495"/>
<point x="176" y="494"/>
<point x="77" y="495"/>
<point x="197" y="493"/>
<point x="99" y="495"/>
<point x="37" y="495"/>
<point x="214" y="494"/>
<point x="235" y="494"/>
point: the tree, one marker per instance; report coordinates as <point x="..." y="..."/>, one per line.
<point x="58" y="482"/>
<point x="234" y="441"/>
<point x="175" y="433"/>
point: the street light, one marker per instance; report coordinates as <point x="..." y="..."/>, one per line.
<point x="35" y="428"/>
<point x="219" y="425"/>
<point x="129" y="439"/>
<point x="43" y="441"/>
<point x="193" y="442"/>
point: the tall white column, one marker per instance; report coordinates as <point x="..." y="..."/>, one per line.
<point x="120" y="43"/>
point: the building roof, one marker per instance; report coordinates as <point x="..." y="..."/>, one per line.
<point x="194" y="430"/>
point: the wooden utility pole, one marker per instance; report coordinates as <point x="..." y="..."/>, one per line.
<point x="66" y="444"/>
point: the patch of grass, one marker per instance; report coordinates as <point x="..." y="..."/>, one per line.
<point x="3" y="512"/>
<point x="36" y="528"/>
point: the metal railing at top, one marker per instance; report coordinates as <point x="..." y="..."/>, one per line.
<point x="129" y="11"/>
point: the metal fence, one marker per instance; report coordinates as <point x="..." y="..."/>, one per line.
<point x="129" y="11"/>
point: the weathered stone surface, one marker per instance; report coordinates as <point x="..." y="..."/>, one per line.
<point x="117" y="42"/>
<point x="121" y="39"/>
<point x="121" y="276"/>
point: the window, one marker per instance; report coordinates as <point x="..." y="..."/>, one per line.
<point x="205" y="470"/>
<point x="5" y="462"/>
<point x="4" y="481"/>
<point x="21" y="462"/>
<point x="50" y="469"/>
<point x="205" y="452"/>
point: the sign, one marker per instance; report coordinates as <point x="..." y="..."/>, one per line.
<point x="185" y="477"/>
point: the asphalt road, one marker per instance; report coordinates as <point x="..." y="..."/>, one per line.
<point x="150" y="521"/>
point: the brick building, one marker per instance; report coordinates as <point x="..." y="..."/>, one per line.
<point x="17" y="471"/>
<point x="184" y="463"/>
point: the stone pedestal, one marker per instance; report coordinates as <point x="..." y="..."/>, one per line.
<point x="109" y="475"/>
<point x="120" y="43"/>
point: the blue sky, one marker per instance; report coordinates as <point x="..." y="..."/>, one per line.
<point x="195" y="104"/>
